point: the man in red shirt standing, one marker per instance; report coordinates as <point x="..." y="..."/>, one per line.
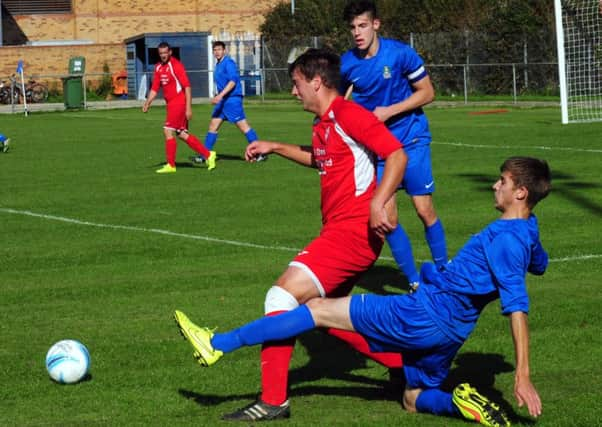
<point x="171" y="76"/>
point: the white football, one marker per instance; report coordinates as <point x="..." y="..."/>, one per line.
<point x="68" y="361"/>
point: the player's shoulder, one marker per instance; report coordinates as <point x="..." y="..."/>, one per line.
<point x="349" y="113"/>
<point x="395" y="47"/>
<point x="349" y="54"/>
<point x="349" y="59"/>
<point x="342" y="105"/>
<point x="512" y="233"/>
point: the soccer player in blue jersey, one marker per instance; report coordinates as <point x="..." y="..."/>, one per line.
<point x="388" y="78"/>
<point x="228" y="101"/>
<point x="4" y="143"/>
<point x="430" y="325"/>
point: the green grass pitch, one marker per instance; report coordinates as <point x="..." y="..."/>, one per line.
<point x="97" y="247"/>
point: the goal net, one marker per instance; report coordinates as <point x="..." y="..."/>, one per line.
<point x="579" y="42"/>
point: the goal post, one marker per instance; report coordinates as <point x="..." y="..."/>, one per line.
<point x="579" y="46"/>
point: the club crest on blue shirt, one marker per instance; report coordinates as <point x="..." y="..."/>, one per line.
<point x="386" y="72"/>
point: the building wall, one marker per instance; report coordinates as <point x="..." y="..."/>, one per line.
<point x="106" y="23"/>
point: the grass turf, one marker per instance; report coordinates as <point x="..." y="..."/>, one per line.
<point x="99" y="248"/>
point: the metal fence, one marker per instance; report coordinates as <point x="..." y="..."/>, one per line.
<point x="465" y="82"/>
<point x="463" y="65"/>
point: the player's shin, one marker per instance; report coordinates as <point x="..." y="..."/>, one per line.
<point x="171" y="147"/>
<point x="435" y="237"/>
<point x="210" y="140"/>
<point x="270" y="328"/>
<point x="437" y="402"/>
<point x="194" y="143"/>
<point x="401" y="248"/>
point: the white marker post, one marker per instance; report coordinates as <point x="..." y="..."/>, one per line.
<point x="20" y="71"/>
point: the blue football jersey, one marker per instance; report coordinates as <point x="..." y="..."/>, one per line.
<point x="386" y="79"/>
<point x="225" y="71"/>
<point x="492" y="264"/>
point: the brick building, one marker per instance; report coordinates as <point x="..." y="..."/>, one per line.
<point x="46" y="33"/>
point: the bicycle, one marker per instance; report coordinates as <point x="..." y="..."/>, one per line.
<point x="34" y="92"/>
<point x="8" y="92"/>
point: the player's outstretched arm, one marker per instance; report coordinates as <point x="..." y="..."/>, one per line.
<point x="297" y="153"/>
<point x="524" y="391"/>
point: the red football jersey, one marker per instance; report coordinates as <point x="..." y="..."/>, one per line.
<point x="172" y="78"/>
<point x="345" y="140"/>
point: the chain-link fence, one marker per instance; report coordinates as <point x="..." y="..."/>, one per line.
<point x="462" y="65"/>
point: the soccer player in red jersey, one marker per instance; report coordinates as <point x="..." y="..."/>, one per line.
<point x="171" y="76"/>
<point x="346" y="138"/>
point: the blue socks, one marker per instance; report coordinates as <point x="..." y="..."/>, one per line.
<point x="435" y="237"/>
<point x="437" y="402"/>
<point x="401" y="248"/>
<point x="210" y="140"/>
<point x="269" y="328"/>
<point x="251" y="136"/>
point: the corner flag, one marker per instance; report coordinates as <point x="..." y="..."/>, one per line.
<point x="20" y="72"/>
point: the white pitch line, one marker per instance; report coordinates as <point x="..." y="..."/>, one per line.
<point x="146" y="230"/>
<point x="535" y="147"/>
<point x="582" y="257"/>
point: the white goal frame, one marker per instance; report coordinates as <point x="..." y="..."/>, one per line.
<point x="579" y="46"/>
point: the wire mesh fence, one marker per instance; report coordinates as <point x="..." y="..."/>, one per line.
<point x="463" y="66"/>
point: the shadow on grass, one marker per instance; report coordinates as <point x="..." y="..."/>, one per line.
<point x="213" y="399"/>
<point x="331" y="359"/>
<point x="225" y="157"/>
<point x="383" y="280"/>
<point x="480" y="369"/>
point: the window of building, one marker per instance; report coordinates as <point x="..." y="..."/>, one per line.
<point x="34" y="7"/>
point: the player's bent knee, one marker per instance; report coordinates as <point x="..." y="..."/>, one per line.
<point x="279" y="299"/>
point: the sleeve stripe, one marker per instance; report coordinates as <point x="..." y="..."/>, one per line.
<point x="417" y="75"/>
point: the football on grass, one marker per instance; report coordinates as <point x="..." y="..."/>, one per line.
<point x="68" y="361"/>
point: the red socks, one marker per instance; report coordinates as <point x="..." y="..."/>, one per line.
<point x="275" y="360"/>
<point x="194" y="143"/>
<point x="276" y="357"/>
<point x="359" y="343"/>
<point x="170" y="151"/>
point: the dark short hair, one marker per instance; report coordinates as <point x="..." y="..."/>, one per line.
<point x="218" y="43"/>
<point x="358" y="7"/>
<point x="163" y="45"/>
<point x="319" y="62"/>
<point x="531" y="173"/>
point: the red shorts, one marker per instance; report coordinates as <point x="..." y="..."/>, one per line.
<point x="176" y="117"/>
<point x="338" y="257"/>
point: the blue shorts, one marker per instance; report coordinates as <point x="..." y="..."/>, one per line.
<point x="229" y="109"/>
<point x="418" y="179"/>
<point x="399" y="323"/>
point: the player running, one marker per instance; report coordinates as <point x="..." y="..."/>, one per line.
<point x="171" y="76"/>
<point x="430" y="325"/>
